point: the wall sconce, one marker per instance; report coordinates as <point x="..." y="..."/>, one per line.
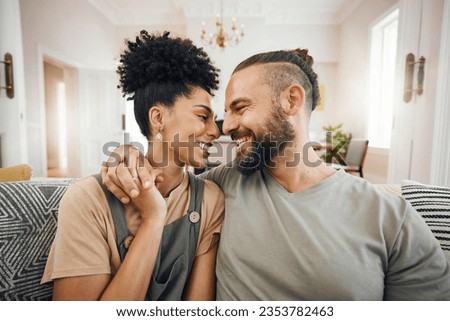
<point x="409" y="76"/>
<point x="9" y="79"/>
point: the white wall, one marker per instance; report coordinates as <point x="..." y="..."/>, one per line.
<point x="130" y="32"/>
<point x="72" y="32"/>
<point x="12" y="111"/>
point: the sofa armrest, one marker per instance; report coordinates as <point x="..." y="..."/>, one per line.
<point x="20" y="172"/>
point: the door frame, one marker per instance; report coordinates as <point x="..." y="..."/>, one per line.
<point x="46" y="54"/>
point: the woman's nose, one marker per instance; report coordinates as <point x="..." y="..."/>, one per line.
<point x="213" y="130"/>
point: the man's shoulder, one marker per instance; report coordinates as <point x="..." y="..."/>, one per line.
<point x="221" y="175"/>
<point x="363" y="191"/>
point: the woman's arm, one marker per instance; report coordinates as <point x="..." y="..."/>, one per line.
<point x="80" y="288"/>
<point x="133" y="276"/>
<point x="202" y="281"/>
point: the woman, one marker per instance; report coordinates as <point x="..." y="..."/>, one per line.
<point x="165" y="248"/>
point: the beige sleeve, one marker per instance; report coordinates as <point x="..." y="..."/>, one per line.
<point x="213" y="210"/>
<point x="81" y="244"/>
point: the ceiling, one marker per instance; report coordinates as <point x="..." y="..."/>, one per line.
<point x="157" y="12"/>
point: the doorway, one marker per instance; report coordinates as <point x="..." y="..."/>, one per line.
<point x="60" y="119"/>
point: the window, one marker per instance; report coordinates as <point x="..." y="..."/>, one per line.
<point x="381" y="86"/>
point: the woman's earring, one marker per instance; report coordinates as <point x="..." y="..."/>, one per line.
<point x="158" y="137"/>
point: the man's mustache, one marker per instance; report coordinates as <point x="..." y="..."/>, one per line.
<point x="241" y="133"/>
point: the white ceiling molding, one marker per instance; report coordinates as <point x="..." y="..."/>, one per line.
<point x="140" y="12"/>
<point x="154" y="12"/>
<point x="347" y="9"/>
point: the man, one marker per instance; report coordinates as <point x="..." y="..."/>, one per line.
<point x="294" y="228"/>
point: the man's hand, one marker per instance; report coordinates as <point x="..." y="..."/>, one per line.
<point x="125" y="170"/>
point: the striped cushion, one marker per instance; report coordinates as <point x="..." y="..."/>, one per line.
<point x="433" y="203"/>
<point x="28" y="214"/>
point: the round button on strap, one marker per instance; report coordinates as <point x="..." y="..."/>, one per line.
<point x="194" y="217"/>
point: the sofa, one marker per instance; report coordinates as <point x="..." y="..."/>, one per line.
<point x="29" y="213"/>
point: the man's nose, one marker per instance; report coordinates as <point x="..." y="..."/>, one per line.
<point x="229" y="124"/>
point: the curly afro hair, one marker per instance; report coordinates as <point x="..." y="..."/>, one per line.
<point x="158" y="69"/>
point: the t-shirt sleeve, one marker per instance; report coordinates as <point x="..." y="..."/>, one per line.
<point x="80" y="246"/>
<point x="217" y="174"/>
<point x="213" y="210"/>
<point x="418" y="268"/>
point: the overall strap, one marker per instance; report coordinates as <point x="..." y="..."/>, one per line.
<point x="197" y="185"/>
<point x="118" y="214"/>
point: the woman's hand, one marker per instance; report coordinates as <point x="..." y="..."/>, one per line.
<point x="125" y="168"/>
<point x="150" y="203"/>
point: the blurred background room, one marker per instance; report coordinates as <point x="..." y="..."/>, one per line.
<point x="383" y="66"/>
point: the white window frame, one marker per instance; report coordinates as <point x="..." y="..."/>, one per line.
<point x="383" y="53"/>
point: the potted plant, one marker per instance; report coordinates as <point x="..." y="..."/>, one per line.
<point x="336" y="142"/>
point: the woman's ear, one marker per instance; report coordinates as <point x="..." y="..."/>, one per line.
<point x="295" y="97"/>
<point x="156" y="117"/>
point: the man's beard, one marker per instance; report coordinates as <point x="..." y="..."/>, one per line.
<point x="266" y="145"/>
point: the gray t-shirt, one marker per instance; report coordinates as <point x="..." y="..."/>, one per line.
<point x="341" y="239"/>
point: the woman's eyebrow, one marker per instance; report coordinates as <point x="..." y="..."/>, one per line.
<point x="205" y="107"/>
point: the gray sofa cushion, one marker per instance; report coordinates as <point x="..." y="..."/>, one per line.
<point x="28" y="215"/>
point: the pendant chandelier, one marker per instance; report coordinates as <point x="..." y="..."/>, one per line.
<point x="220" y="38"/>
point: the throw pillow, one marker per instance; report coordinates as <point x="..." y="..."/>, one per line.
<point x="433" y="204"/>
<point x="28" y="216"/>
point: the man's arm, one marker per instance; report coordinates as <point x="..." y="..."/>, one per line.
<point x="418" y="268"/>
<point x="217" y="174"/>
<point x="124" y="168"/>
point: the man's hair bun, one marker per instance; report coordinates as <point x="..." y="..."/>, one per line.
<point x="303" y="53"/>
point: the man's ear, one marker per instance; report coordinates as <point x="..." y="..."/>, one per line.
<point x="295" y="97"/>
<point x="156" y="117"/>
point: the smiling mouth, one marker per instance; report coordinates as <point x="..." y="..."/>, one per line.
<point x="242" y="141"/>
<point x="204" y="146"/>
